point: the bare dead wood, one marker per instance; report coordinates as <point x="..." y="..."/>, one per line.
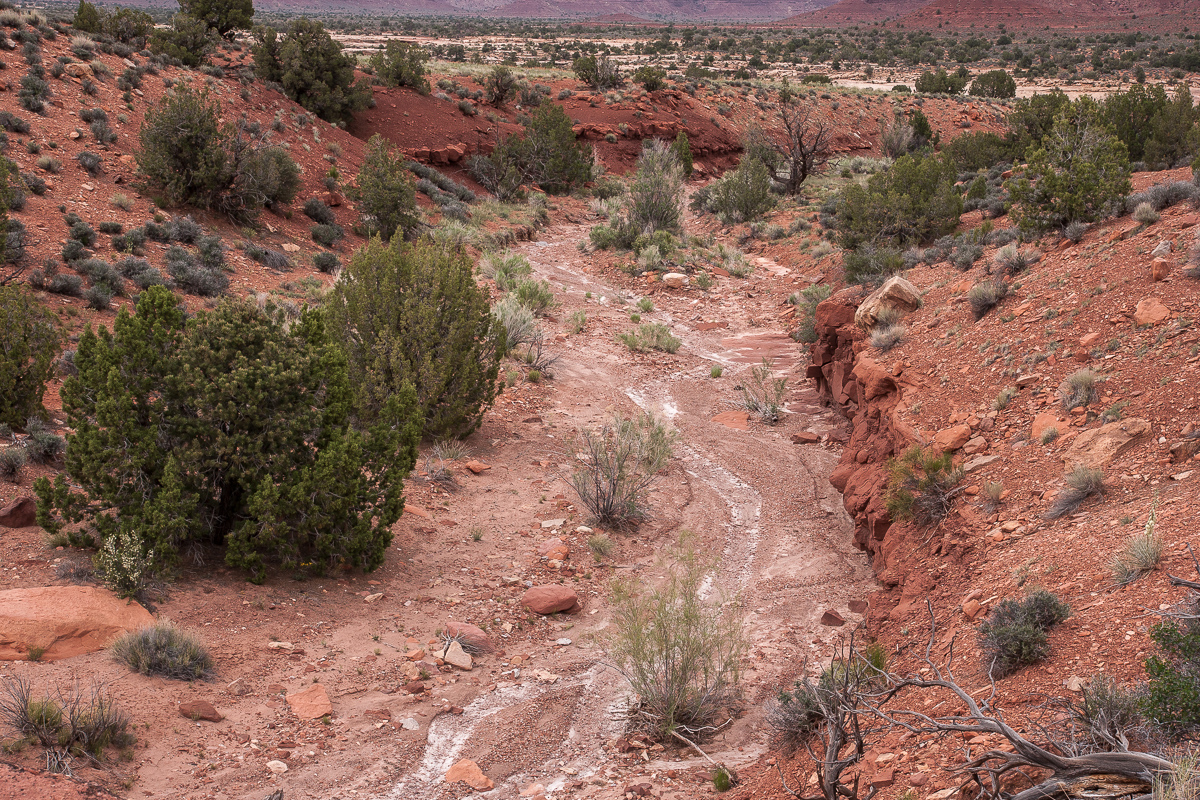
<point x="1126" y="774"/>
<point x="733" y="779"/>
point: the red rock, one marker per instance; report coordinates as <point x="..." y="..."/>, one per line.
<point x="883" y="778"/>
<point x="417" y="511"/>
<point x="952" y="438"/>
<point x="550" y="599"/>
<point x="472" y="635"/>
<point x="1160" y="268"/>
<point x="1042" y="422"/>
<point x="468" y="772"/>
<point x="972" y="609"/>
<point x="414" y="687"/>
<point x="200" y="709"/>
<point x="832" y="618"/>
<point x="834" y="313"/>
<point x="20" y="513"/>
<point x="1150" y="311"/>
<point x="64" y="620"/>
<point x="805" y="437"/>
<point x="553" y="543"/>
<point x="918" y="779"/>
<point x="859" y="606"/>
<point x="477" y="466"/>
<point x="311" y="702"/>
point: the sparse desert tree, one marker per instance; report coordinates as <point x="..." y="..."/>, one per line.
<point x="223" y="16"/>
<point x="599" y="72"/>
<point x="386" y="193"/>
<point x="996" y="83"/>
<point x="655" y="196"/>
<point x="229" y="429"/>
<point x="29" y="342"/>
<point x="1078" y="175"/>
<point x="188" y="39"/>
<point x="402" y="64"/>
<point x="912" y="201"/>
<point x="679" y="647"/>
<point x="499" y="85"/>
<point x="617" y="465"/>
<point x="312" y="69"/>
<point x="87" y="18"/>
<point x="743" y="194"/>
<point x="805" y="143"/>
<point x="548" y="155"/>
<point x="412" y="315"/>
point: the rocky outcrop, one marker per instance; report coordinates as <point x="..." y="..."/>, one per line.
<point x="64" y="621"/>
<point x="869" y="394"/>
<point x="896" y="296"/>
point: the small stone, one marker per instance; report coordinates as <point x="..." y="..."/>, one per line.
<point x="371" y="598"/>
<point x="952" y="438"/>
<point x="832" y="619"/>
<point x="238" y="688"/>
<point x="477" y="467"/>
<point x="563" y="642"/>
<point x="583" y="529"/>
<point x="553" y="523"/>
<point x="455" y="656"/>
<point x="200" y="709"/>
<point x="1074" y="683"/>
<point x="859" y="606"/>
<point x="676" y="280"/>
<point x="289" y="247"/>
<point x="280" y="645"/>
<point x="20" y="513"/>
<point x="278" y="767"/>
<point x="971" y="609"/>
<point x="410" y="724"/>
<point x="1160" y="268"/>
<point x="550" y="599"/>
<point x="805" y="437"/>
<point x="883" y="779"/>
<point x="532" y="790"/>
<point x="1150" y="311"/>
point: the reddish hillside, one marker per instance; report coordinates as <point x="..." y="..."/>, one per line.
<point x="851" y="12"/>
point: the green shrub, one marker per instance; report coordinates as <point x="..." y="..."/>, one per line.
<point x="913" y="201"/>
<point x="650" y="336"/>
<point x="534" y="295"/>
<point x="922" y="485"/>
<point x="872" y="265"/>
<point x="744" y="194"/>
<point x="317" y="492"/>
<point x="413" y="315"/>
<point x="651" y="78"/>
<point x="29" y="342"/>
<point x="385" y="191"/>
<point x="1014" y="634"/>
<point x="312" y="69"/>
<point x="656" y="189"/>
<point x="683" y="153"/>
<point x="326" y="262"/>
<point x="327" y="235"/>
<point x="222" y="16"/>
<point x="1079" y="389"/>
<point x="1145" y="214"/>
<point x="164" y="649"/>
<point x="983" y="297"/>
<point x="548" y="155"/>
<point x="187" y="39"/>
<point x="655" y="626"/>
<point x="941" y="82"/>
<point x="77" y="722"/>
<point x="1079" y="175"/>
<point x="763" y="393"/>
<point x="1173" y="689"/>
<point x="996" y="83"/>
<point x="617" y="464"/>
<point x="1082" y="482"/>
<point x="806" y="310"/>
<point x="499" y="85"/>
<point x="402" y="64"/>
<point x="978" y="150"/>
<point x="599" y="72"/>
<point x="12" y="460"/>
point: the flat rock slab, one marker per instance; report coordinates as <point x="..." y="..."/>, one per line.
<point x="65" y="621"/>
<point x="311" y="702"/>
<point x="738" y="420"/>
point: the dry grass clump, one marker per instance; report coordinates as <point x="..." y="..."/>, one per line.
<point x="164" y="649"/>
<point x="1082" y="483"/>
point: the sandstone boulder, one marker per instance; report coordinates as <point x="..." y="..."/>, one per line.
<point x="311" y="702"/>
<point x="1160" y="268"/>
<point x="20" y="513"/>
<point x="470" y="634"/>
<point x="952" y="438"/>
<point x="676" y="280"/>
<point x="896" y="295"/>
<point x="455" y="656"/>
<point x="468" y="772"/>
<point x="1097" y="448"/>
<point x="1150" y="311"/>
<point x="550" y="599"/>
<point x="834" y="313"/>
<point x="200" y="709"/>
<point x="79" y="70"/>
<point x="65" y="620"/>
